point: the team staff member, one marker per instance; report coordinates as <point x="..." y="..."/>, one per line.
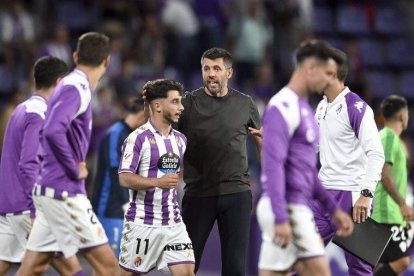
<point x="351" y="156"/>
<point x="217" y="120"/>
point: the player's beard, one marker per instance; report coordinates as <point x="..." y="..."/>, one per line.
<point x="170" y="118"/>
<point x="214" y="89"/>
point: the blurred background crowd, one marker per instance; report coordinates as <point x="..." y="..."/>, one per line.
<point x="165" y="38"/>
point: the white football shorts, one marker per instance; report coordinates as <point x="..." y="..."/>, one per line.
<point x="306" y="241"/>
<point x="144" y="248"/>
<point x="65" y="226"/>
<point x="14" y="232"/>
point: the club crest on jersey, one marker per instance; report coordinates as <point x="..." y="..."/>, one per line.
<point x="137" y="261"/>
<point x="152" y="141"/>
<point x="339" y="109"/>
<point x="169" y="163"/>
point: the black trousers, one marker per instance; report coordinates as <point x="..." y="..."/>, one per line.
<point x="232" y="213"/>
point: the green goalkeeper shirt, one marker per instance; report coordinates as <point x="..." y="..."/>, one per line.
<point x="386" y="210"/>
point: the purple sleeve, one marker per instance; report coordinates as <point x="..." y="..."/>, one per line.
<point x="28" y="162"/>
<point x="356" y="110"/>
<point x="131" y="155"/>
<point x="274" y="152"/>
<point x="323" y="196"/>
<point x="59" y="120"/>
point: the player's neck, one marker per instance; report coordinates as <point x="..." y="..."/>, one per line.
<point x="44" y="93"/>
<point x="297" y="85"/>
<point x="93" y="74"/>
<point x="396" y="126"/>
<point x="332" y="92"/>
<point x="161" y="125"/>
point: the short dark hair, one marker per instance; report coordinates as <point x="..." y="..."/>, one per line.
<point x="215" y="53"/>
<point x="391" y="105"/>
<point x="135" y="105"/>
<point x="92" y="49"/>
<point x="342" y="62"/>
<point x="313" y="48"/>
<point x="47" y="70"/>
<point x="158" y="89"/>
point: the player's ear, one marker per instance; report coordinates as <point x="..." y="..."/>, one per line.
<point x="75" y="57"/>
<point x="229" y="72"/>
<point x="106" y="61"/>
<point x="157" y="106"/>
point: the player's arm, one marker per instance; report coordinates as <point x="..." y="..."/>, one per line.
<point x="276" y="139"/>
<point x="28" y="162"/>
<point x="370" y="141"/>
<point x="389" y="186"/>
<point x="137" y="182"/>
<point x="56" y="127"/>
<point x="254" y="127"/>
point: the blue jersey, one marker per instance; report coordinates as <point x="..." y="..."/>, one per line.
<point x="108" y="196"/>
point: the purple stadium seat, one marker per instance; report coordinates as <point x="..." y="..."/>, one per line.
<point x="389" y="21"/>
<point x="381" y="84"/>
<point x="72" y="14"/>
<point x="323" y="20"/>
<point x="372" y="53"/>
<point x="400" y="53"/>
<point x="406" y="85"/>
<point x="336" y="42"/>
<point x="352" y="19"/>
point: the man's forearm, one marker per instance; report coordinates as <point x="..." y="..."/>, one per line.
<point x="136" y="182"/>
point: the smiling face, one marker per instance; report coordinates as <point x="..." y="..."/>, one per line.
<point x="215" y="76"/>
<point x="171" y="107"/>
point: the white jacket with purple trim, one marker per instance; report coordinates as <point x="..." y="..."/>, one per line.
<point x="350" y="148"/>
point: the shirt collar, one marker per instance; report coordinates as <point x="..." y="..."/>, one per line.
<point x="80" y="72"/>
<point x="37" y="96"/>
<point x="153" y="129"/>
<point x="340" y="95"/>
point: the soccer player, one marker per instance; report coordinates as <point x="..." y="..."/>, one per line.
<point x="154" y="234"/>
<point x="19" y="168"/>
<point x="351" y="157"/>
<point x="289" y="173"/>
<point x="390" y="206"/>
<point x="65" y="219"/>
<point x="217" y="120"/>
<point x="109" y="199"/>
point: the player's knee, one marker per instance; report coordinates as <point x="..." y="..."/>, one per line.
<point x="35" y="270"/>
<point x="110" y="265"/>
<point x="401" y="264"/>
